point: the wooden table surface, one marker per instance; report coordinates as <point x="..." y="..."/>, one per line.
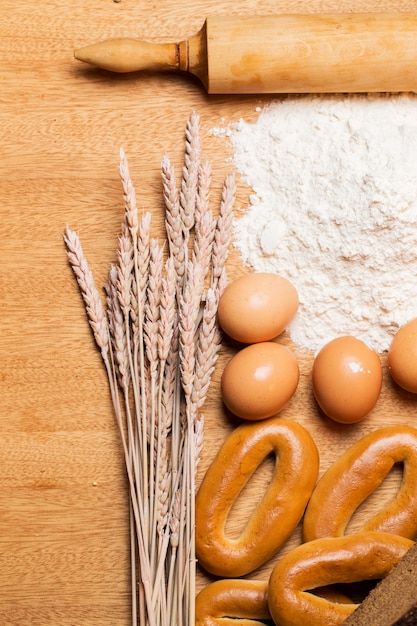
<point x="63" y="514"/>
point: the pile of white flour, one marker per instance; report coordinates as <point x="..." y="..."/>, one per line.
<point x="334" y="209"/>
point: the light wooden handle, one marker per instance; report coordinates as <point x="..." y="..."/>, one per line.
<point x="129" y="55"/>
<point x="352" y="52"/>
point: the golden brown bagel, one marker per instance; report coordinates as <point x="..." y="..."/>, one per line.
<point x="233" y="603"/>
<point x="356" y="475"/>
<point x="351" y="558"/>
<point x="281" y="508"/>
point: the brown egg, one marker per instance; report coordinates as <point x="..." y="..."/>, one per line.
<point x="402" y="357"/>
<point x="259" y="380"/>
<point x="347" y="379"/>
<point x="257" y="307"/>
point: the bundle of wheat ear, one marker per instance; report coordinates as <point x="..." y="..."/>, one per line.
<point x="157" y="332"/>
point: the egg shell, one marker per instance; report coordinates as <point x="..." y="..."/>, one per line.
<point x="259" y="380"/>
<point x="347" y="379"/>
<point x="257" y="307"/>
<point x="402" y="357"/>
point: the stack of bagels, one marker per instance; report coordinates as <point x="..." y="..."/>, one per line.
<point x="302" y="587"/>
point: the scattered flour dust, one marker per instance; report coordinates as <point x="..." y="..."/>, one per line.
<point x="334" y="209"/>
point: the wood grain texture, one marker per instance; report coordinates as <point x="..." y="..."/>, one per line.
<point x="63" y="515"/>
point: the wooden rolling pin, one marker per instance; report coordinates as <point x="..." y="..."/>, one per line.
<point x="311" y="53"/>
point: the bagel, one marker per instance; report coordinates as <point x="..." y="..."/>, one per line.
<point x="356" y="475"/>
<point x="327" y="561"/>
<point x="279" y="511"/>
<point x="233" y="602"/>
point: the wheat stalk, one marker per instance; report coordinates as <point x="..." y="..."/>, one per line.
<point x="223" y="234"/>
<point x="190" y="173"/>
<point x="173" y="221"/>
<point x="159" y="341"/>
<point x="91" y="297"/>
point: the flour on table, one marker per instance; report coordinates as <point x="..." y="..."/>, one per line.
<point x="334" y="209"/>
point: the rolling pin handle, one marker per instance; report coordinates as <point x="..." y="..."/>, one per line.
<point x="123" y="55"/>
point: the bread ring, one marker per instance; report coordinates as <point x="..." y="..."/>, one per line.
<point x="241" y="602"/>
<point x="281" y="508"/>
<point x="233" y="603"/>
<point x="356" y="475"/>
<point x="351" y="558"/>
